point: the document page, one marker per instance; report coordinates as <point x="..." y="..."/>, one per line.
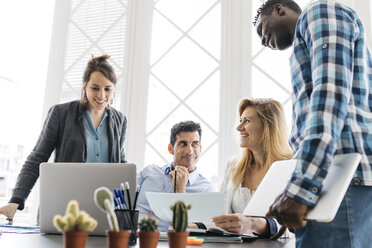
<point x="204" y="206"/>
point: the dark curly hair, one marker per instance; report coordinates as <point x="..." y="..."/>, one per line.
<point x="268" y="7"/>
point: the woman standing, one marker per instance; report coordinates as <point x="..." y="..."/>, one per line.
<point x="86" y="130"/>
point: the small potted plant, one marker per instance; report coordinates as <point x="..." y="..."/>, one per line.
<point x="116" y="238"/>
<point x="148" y="234"/>
<point x="75" y="225"/>
<point x="177" y="238"/>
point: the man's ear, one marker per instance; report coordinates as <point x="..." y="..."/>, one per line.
<point x="201" y="148"/>
<point x="279" y="9"/>
<point x="170" y="149"/>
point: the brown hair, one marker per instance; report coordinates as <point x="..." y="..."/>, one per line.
<point x="274" y="139"/>
<point x="184" y="126"/>
<point x="102" y="65"/>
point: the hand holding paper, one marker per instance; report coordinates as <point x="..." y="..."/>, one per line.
<point x="236" y="223"/>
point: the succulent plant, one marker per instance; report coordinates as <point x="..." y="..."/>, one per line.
<point x="104" y="201"/>
<point x="148" y="224"/>
<point x="180" y="216"/>
<point x="74" y="219"/>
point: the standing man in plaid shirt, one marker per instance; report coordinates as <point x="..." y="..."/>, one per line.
<point x="331" y="70"/>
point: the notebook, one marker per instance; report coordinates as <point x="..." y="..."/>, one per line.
<point x="62" y="182"/>
<point x="334" y="188"/>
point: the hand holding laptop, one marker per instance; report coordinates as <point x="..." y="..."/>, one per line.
<point x="266" y="201"/>
<point x="288" y="212"/>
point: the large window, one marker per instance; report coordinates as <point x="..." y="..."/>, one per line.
<point x="94" y="28"/>
<point x="184" y="80"/>
<point x="24" y="47"/>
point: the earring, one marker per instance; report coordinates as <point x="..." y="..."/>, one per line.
<point x="85" y="98"/>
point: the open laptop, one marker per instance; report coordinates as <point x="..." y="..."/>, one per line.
<point x="334" y="188"/>
<point x="62" y="182"/>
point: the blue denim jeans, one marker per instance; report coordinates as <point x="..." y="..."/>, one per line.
<point x="352" y="226"/>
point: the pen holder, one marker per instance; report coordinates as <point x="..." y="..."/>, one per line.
<point x="128" y="220"/>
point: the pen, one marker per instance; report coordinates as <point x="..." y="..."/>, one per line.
<point x="122" y="188"/>
<point x="115" y="202"/>
<point x="121" y="196"/>
<point x="136" y="197"/>
<point x="175" y="179"/>
<point x="116" y="197"/>
<point x="128" y="195"/>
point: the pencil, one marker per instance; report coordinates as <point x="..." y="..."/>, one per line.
<point x="136" y="197"/>
<point x="128" y="195"/>
<point x="175" y="179"/>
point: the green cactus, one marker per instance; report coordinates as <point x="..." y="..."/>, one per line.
<point x="74" y="219"/>
<point x="104" y="201"/>
<point x="148" y="224"/>
<point x="180" y="216"/>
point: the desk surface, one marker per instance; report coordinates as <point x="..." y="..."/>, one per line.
<point x="11" y="240"/>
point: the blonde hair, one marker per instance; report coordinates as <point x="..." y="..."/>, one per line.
<point x="274" y="138"/>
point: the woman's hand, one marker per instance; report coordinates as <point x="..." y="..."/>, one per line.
<point x="236" y="223"/>
<point x="192" y="225"/>
<point x="9" y="211"/>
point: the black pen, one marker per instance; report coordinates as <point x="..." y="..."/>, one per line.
<point x="175" y="179"/>
<point x="136" y="196"/>
<point x="128" y="195"/>
<point x="122" y="189"/>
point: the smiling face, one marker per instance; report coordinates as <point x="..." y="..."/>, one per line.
<point x="99" y="91"/>
<point x="276" y="30"/>
<point x="251" y="130"/>
<point x="186" y="149"/>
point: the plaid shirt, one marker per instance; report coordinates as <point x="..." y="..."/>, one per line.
<point x="332" y="98"/>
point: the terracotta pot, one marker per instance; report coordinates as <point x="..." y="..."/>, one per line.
<point x="75" y="239"/>
<point x="177" y="239"/>
<point x="118" y="239"/>
<point x="148" y="239"/>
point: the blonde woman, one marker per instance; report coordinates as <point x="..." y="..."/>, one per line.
<point x="264" y="140"/>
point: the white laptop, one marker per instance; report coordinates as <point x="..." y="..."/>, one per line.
<point x="334" y="188"/>
<point x="62" y="182"/>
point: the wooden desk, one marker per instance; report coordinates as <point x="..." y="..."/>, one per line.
<point x="11" y="240"/>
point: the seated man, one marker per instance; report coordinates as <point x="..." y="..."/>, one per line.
<point x="185" y="148"/>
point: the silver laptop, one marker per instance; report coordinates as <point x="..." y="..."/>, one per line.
<point x="334" y="188"/>
<point x="62" y="182"/>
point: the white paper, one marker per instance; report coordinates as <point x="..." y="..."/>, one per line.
<point x="204" y="206"/>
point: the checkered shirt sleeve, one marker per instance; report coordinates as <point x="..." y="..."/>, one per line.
<point x="331" y="77"/>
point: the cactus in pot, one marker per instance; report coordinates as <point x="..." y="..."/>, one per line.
<point x="148" y="234"/>
<point x="104" y="201"/>
<point x="148" y="224"/>
<point x="178" y="237"/>
<point x="75" y="225"/>
<point x="74" y="219"/>
<point x="180" y="216"/>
